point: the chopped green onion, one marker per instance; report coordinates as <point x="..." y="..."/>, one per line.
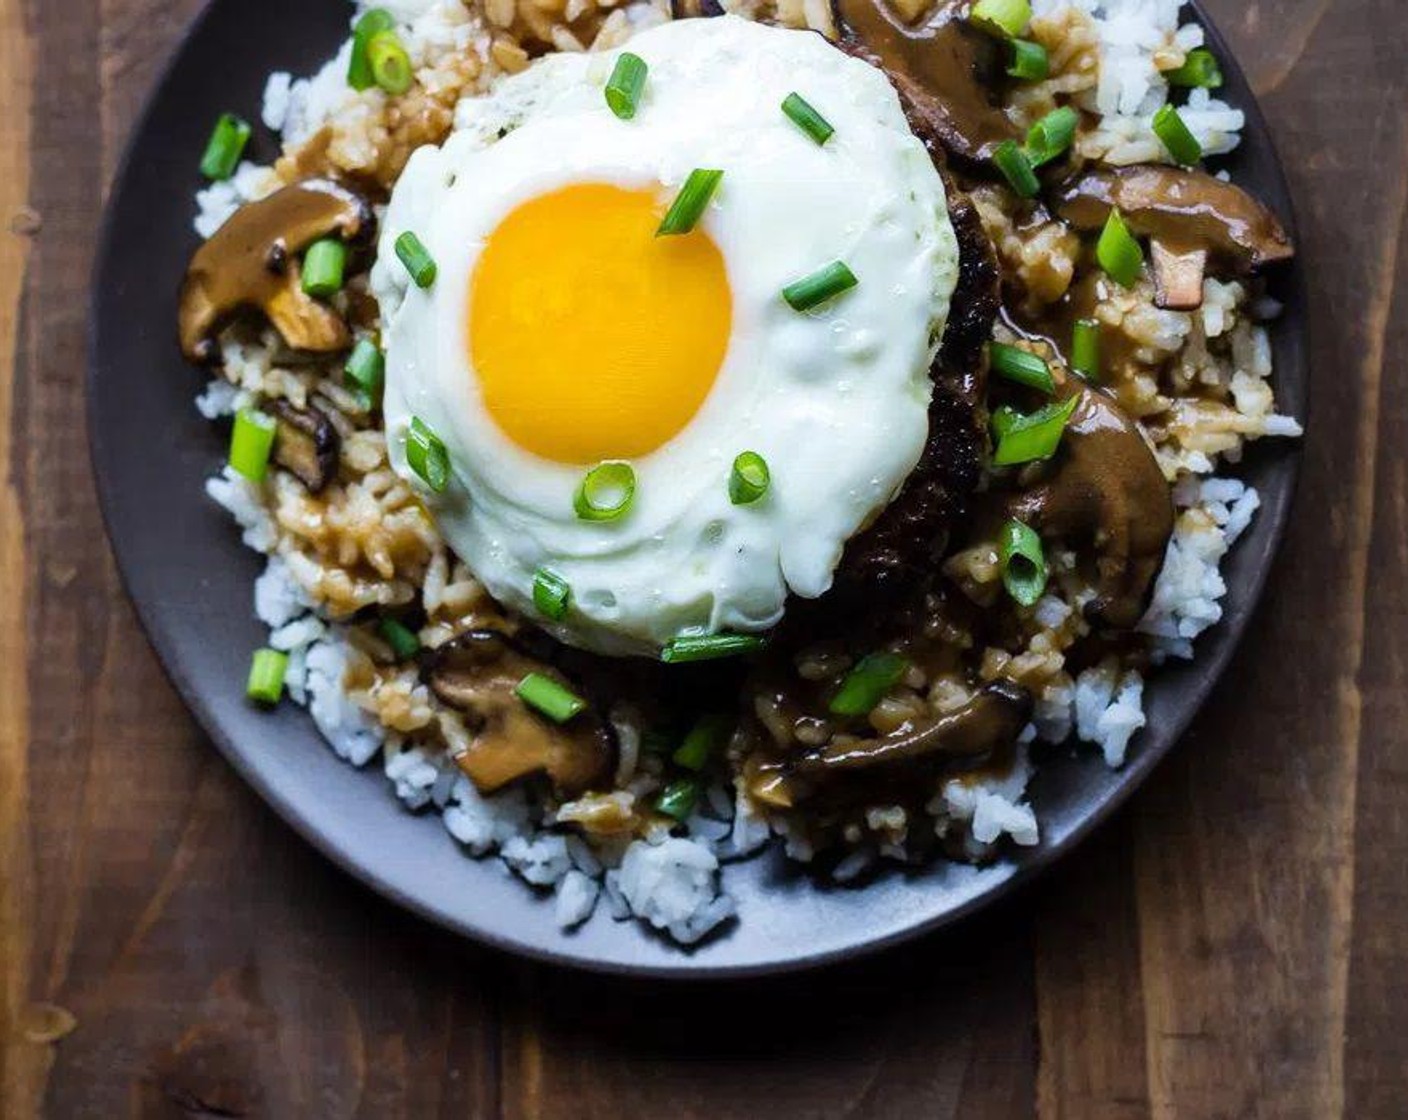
<point x="266" y="676"/>
<point x="1085" y="349"/>
<point x="551" y="595"/>
<point x="1118" y="253"/>
<point x="323" y="266"/>
<point x="391" y="65"/>
<point x="866" y="684"/>
<point x="1052" y="135"/>
<point x="709" y="647"/>
<point x="426" y="454"/>
<point x="366" y="369"/>
<point x="1008" y="18"/>
<point x="1030" y="62"/>
<point x="417" y="259"/>
<point x="1036" y="435"/>
<point x="1173" y="132"/>
<point x="545" y="695"/>
<point x="624" y="87"/>
<point x="800" y="112"/>
<point x="678" y="799"/>
<point x="814" y="290"/>
<point x="359" y="67"/>
<point x="1023" y="562"/>
<point x="226" y="145"/>
<point x="606" y="492"/>
<point x="400" y="637"/>
<point x="1022" y="367"/>
<point x="1199" y="71"/>
<point x="684" y="213"/>
<point x="750" y="479"/>
<point x="1003" y="419"/>
<point x="704" y="740"/>
<point x="250" y="443"/>
<point x="1017" y="168"/>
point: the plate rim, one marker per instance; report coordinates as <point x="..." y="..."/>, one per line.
<point x="1026" y="866"/>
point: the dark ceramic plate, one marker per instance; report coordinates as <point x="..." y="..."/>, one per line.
<point x="191" y="578"/>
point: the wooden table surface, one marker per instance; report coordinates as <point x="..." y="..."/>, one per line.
<point x="1233" y="945"/>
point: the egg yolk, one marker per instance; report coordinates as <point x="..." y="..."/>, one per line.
<point x="592" y="338"/>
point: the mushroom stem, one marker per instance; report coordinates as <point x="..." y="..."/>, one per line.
<point x="1178" y="276"/>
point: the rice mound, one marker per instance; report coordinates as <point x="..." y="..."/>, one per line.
<point x="366" y="542"/>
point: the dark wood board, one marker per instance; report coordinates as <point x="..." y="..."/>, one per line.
<point x="1234" y="944"/>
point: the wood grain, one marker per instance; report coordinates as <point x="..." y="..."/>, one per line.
<point x="1232" y="946"/>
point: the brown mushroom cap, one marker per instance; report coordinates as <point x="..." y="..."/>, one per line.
<point x="1105" y="489"/>
<point x="1184" y="210"/>
<point x="306" y="443"/>
<point x="252" y="263"/>
<point x="946" y="72"/>
<point x="478" y="673"/>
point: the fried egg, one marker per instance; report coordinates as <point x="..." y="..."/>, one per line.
<point x="561" y="332"/>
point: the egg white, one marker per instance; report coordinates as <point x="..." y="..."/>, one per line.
<point x="835" y="400"/>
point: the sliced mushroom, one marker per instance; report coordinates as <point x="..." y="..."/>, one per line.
<point x="1105" y="489"/>
<point x="306" y="443"/>
<point x="252" y="263"/>
<point x="1178" y="276"/>
<point x="991" y="720"/>
<point x="948" y="74"/>
<point x="477" y="673"/>
<point x="1188" y="216"/>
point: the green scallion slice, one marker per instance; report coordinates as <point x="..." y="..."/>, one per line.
<point x="251" y="441"/>
<point x="1021" y="366"/>
<point x="1173" y="132"/>
<point x="705" y="739"/>
<point x="822" y="285"/>
<point x="1003" y="419"/>
<point x="417" y="259"/>
<point x="678" y="799"/>
<point x="627" y="82"/>
<point x="323" y="266"/>
<point x="866" y="684"/>
<point x="1016" y="168"/>
<point x="545" y="695"/>
<point x="1085" y="349"/>
<point x="400" y="637"/>
<point x="684" y="213"/>
<point x="1030" y="62"/>
<point x="426" y="454"/>
<point x="266" y="676"/>
<point x="359" y="67"/>
<point x="606" y="492"/>
<point x="1199" y="71"/>
<point x="1034" y="436"/>
<point x="226" y="145"/>
<point x="391" y="65"/>
<point x="1118" y="252"/>
<point x="551" y="595"/>
<point x="709" y="647"/>
<point x="1023" y="562"/>
<point x="800" y="112"/>
<point x="750" y="479"/>
<point x="1052" y="136"/>
<point x="366" y="370"/>
<point x="1007" y="18"/>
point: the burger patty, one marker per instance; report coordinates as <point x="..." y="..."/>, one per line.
<point x="898" y="553"/>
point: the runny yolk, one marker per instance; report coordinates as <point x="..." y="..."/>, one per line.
<point x="591" y="337"/>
